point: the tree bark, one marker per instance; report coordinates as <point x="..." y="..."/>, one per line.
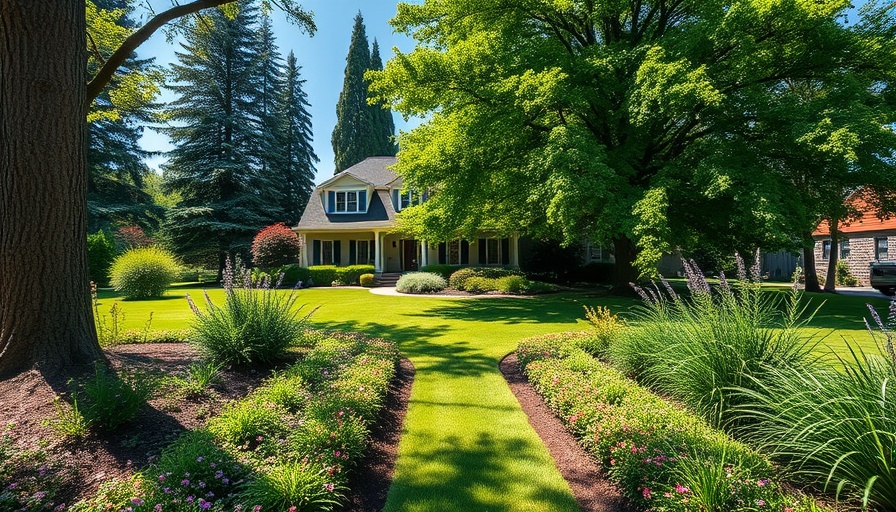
<point x="809" y="271"/>
<point x="624" y="272"/>
<point x="830" y="283"/>
<point x="45" y="311"/>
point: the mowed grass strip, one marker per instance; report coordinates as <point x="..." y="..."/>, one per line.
<point x="467" y="445"/>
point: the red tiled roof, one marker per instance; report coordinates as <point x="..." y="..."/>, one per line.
<point x="866" y="223"/>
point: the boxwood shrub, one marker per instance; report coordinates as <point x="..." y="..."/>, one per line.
<point x="459" y="278"/>
<point x="144" y="273"/>
<point x="351" y="275"/>
<point x="662" y="456"/>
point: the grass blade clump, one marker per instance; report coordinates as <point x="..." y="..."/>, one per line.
<point x="831" y="426"/>
<point x="696" y="348"/>
<point x="256" y="324"/>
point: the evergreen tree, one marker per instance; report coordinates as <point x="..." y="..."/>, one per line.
<point x="270" y="67"/>
<point x="216" y="131"/>
<point x="351" y="135"/>
<point x="294" y="138"/>
<point x="115" y="161"/>
<point x="382" y="126"/>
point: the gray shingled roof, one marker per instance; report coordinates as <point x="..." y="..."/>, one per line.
<point x="380" y="213"/>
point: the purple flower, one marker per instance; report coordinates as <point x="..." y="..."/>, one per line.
<point x="184" y="482"/>
<point x="189" y="499"/>
<point x="204" y="505"/>
<point x="167" y="490"/>
<point x="202" y="485"/>
<point x="219" y="474"/>
<point x="157" y="508"/>
<point x="137" y="502"/>
<point x="161" y="478"/>
<point x="200" y="458"/>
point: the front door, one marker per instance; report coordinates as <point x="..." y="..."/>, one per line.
<point x="409" y="255"/>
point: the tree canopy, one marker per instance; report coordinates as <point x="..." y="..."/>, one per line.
<point x="639" y="123"/>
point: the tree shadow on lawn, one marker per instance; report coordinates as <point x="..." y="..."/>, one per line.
<point x="473" y="475"/>
<point x="561" y="309"/>
<point x="458" y="358"/>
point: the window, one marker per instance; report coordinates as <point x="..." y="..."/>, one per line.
<point x="405" y="200"/>
<point x="881" y="249"/>
<point x="326" y="252"/>
<point x="492" y="251"/>
<point x="844" y="249"/>
<point x="348" y="201"/>
<point x="825" y="249"/>
<point x="365" y="252"/>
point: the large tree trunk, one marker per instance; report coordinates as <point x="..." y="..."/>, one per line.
<point x="809" y="271"/>
<point x="45" y="314"/>
<point x="624" y="272"/>
<point x="830" y="283"/>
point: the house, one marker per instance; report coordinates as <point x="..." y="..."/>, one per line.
<point x="862" y="241"/>
<point x="350" y="219"/>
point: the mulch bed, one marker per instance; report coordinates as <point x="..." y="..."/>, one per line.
<point x="590" y="486"/>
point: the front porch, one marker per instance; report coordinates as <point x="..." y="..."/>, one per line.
<point x="391" y="252"/>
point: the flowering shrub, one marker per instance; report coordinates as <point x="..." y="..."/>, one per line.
<point x="131" y="237"/>
<point x="420" y="282"/>
<point x="275" y="246"/>
<point x="143" y="273"/>
<point x="642" y="439"/>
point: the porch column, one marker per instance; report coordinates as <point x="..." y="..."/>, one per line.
<point x="424" y="248"/>
<point x="303" y="254"/>
<point x="515" y="251"/>
<point x="378" y="252"/>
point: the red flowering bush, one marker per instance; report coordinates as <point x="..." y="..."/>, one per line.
<point x="275" y="245"/>
<point x="131" y="237"/>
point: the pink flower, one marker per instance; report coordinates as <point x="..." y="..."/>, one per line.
<point x="329" y="487"/>
<point x="760" y="503"/>
<point x="157" y="508"/>
<point x="680" y="489"/>
<point x="646" y="493"/>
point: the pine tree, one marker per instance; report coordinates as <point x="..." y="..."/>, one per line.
<point x="382" y="127"/>
<point x="270" y="66"/>
<point x="215" y="130"/>
<point x="115" y="161"/>
<point x="351" y="142"/>
<point x="294" y="143"/>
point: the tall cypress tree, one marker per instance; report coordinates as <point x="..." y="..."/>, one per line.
<point x="215" y="130"/>
<point x="351" y="135"/>
<point x="270" y="85"/>
<point x="382" y="126"/>
<point x="296" y="166"/>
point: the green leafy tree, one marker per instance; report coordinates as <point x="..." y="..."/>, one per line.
<point x="296" y="164"/>
<point x="599" y="118"/>
<point x="217" y="129"/>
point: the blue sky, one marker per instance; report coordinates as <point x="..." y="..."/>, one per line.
<point x="322" y="58"/>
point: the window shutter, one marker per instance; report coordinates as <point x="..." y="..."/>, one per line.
<point x="443" y="253"/>
<point x="362" y="201"/>
<point x="352" y="249"/>
<point x="337" y="252"/>
<point x="482" y="259"/>
<point x="464" y="252"/>
<point x="505" y="251"/>
<point x="331" y="201"/>
<point x="315" y="244"/>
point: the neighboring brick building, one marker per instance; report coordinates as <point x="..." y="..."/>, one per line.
<point x="862" y="241"/>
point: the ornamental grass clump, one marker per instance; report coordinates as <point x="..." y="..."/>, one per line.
<point x="420" y="282"/>
<point x="256" y="325"/>
<point x="144" y="273"/>
<point x="696" y="348"/>
<point x="833" y="426"/>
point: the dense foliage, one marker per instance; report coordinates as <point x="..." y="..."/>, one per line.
<point x="420" y="282"/>
<point x="662" y="456"/>
<point x="143" y="273"/>
<point x="361" y="130"/>
<point x="100" y="255"/>
<point x="275" y="246"/>
<point x="256" y="325"/>
<point x="646" y="124"/>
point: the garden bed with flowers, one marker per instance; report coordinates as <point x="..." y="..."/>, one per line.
<point x="289" y="443"/>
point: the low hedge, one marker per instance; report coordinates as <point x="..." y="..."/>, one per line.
<point x="351" y="275"/>
<point x="324" y="275"/>
<point x="662" y="456"/>
<point x="420" y="282"/>
<point x="443" y="270"/>
<point x="459" y="278"/>
<point x="286" y="446"/>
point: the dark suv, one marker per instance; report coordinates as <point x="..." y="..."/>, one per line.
<point x="883" y="277"/>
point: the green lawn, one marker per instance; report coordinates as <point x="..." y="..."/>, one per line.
<point x="467" y="444"/>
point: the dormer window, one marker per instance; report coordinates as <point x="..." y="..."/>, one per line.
<point x="403" y="200"/>
<point x="347" y="201"/>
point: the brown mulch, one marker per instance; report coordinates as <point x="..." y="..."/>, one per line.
<point x="27" y="401"/>
<point x="370" y="483"/>
<point x="589" y="484"/>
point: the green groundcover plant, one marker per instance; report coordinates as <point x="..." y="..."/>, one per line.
<point x="662" y="456"/>
<point x="288" y="446"/>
